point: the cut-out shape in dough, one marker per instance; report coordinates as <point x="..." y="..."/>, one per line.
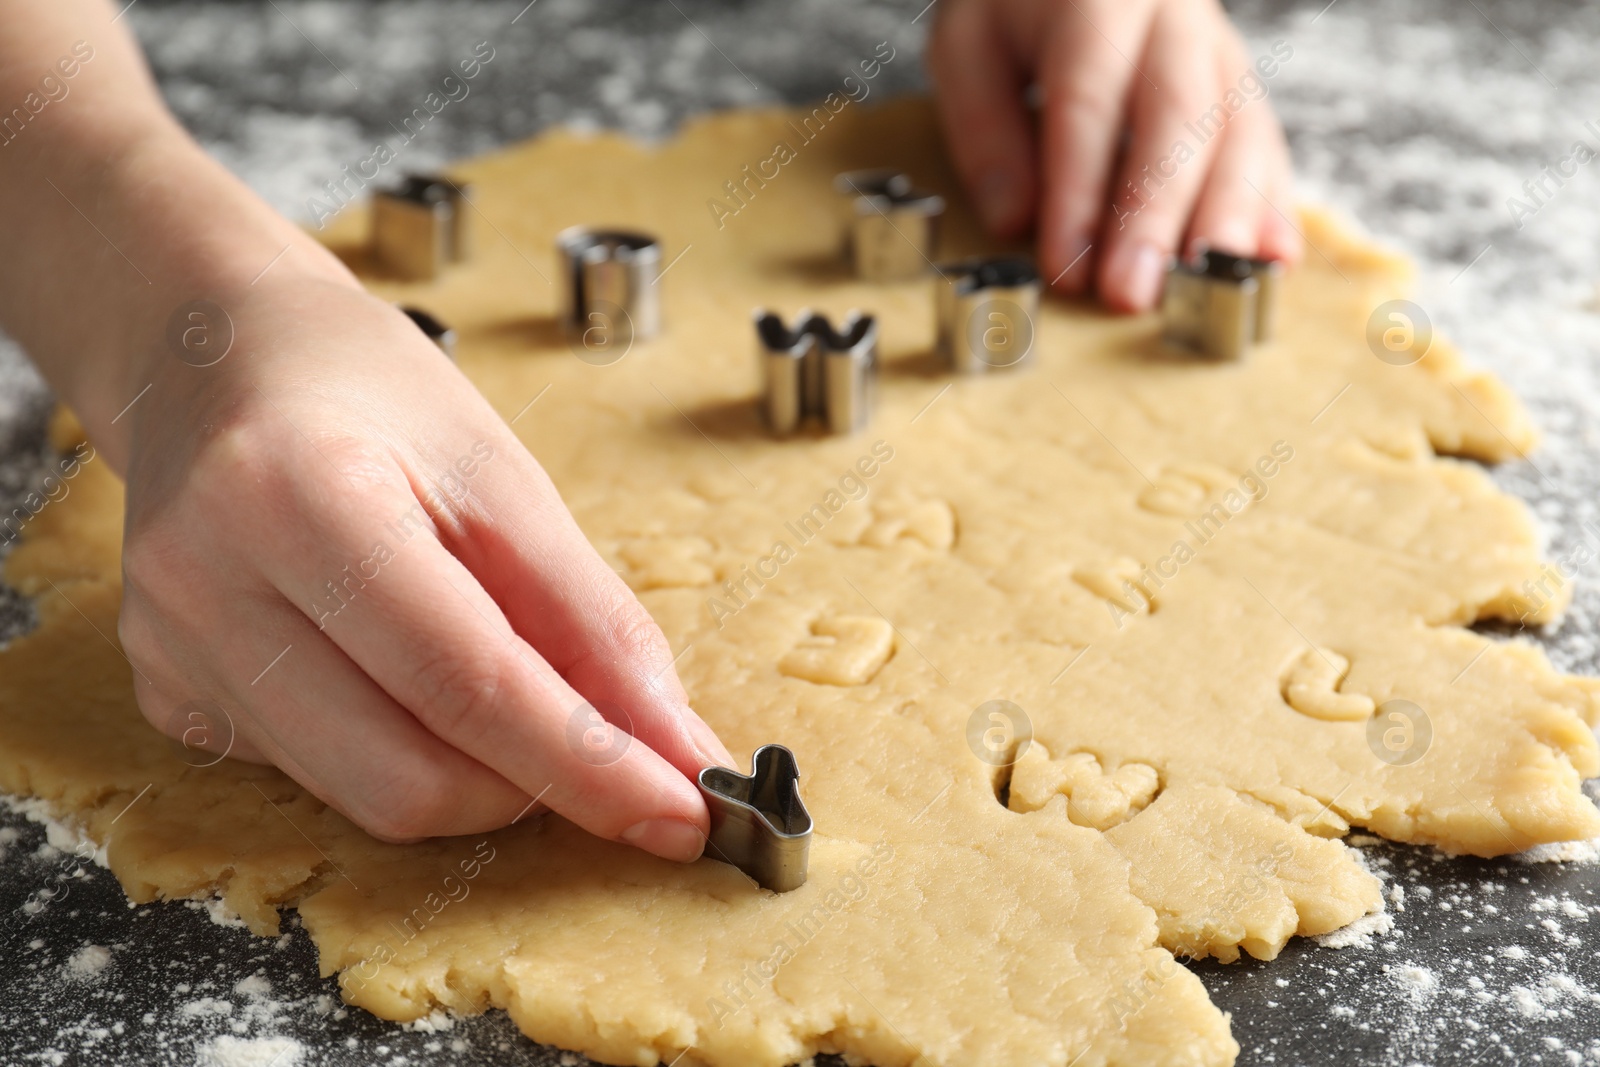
<point x="1095" y="798"/>
<point x="666" y="562"/>
<point x="899" y="521"/>
<point x="1312" y="684"/>
<point x="845" y="650"/>
<point x="1118" y="585"/>
<point x="1182" y="489"/>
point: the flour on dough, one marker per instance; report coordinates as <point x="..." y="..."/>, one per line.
<point x="1201" y="583"/>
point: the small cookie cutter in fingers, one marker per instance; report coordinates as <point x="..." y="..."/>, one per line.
<point x="420" y="227"/>
<point x="1220" y="304"/>
<point x="609" y="282"/>
<point x="759" y="824"/>
<point x="815" y="371"/>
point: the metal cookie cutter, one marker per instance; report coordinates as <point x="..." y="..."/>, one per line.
<point x="986" y="313"/>
<point x="421" y="226"/>
<point x="893" y="228"/>
<point x="816" y="371"/>
<point x="758" y="822"/>
<point x="1220" y="304"/>
<point x="609" y="282"/>
<point x="433" y="329"/>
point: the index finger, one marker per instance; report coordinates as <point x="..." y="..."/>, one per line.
<point x="429" y="634"/>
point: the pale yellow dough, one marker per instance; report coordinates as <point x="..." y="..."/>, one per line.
<point x="1195" y="756"/>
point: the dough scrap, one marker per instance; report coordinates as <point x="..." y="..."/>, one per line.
<point x="1133" y="549"/>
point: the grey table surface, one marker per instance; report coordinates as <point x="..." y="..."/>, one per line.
<point x="1418" y="118"/>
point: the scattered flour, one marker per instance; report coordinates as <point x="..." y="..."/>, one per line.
<point x="87" y="963"/>
<point x="1547" y="999"/>
<point x="1362" y="932"/>
<point x="1359" y="934"/>
<point x="228" y="1051"/>
<point x="436" y="1021"/>
<point x="196" y="1009"/>
<point x="1586" y="852"/>
<point x="256" y="986"/>
<point x="1416" y="982"/>
<point x="61" y="835"/>
<point x="217" y="910"/>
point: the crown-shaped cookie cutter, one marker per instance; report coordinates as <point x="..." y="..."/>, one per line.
<point x="1220" y="304"/>
<point x="609" y="282"/>
<point x="420" y="226"/>
<point x="986" y="310"/>
<point x="893" y="229"/>
<point x="815" y="371"/>
<point x="758" y="821"/>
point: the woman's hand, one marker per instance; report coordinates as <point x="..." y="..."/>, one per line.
<point x="333" y="544"/>
<point x="1155" y="135"/>
<point x="334" y="539"/>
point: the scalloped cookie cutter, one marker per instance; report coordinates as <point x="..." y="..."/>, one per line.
<point x="759" y="824"/>
<point x="815" y="371"/>
<point x="1220" y="304"/>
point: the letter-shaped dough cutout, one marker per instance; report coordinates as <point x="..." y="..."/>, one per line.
<point x="1311" y="687"/>
<point x="847" y="650"/>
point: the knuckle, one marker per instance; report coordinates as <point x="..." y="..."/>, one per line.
<point x="237" y="460"/>
<point x="1091" y="106"/>
<point x="153" y="567"/>
<point x="635" y="635"/>
<point x="256" y="466"/>
<point x="136" y="634"/>
<point x="364" y="465"/>
<point x="457" y="691"/>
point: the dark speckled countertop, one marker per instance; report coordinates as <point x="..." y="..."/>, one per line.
<point x="1419" y="118"/>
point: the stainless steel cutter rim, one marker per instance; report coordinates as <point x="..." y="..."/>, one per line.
<point x="712" y="778"/>
<point x="759" y="821"/>
<point x="915" y="200"/>
<point x="857" y="335"/>
<point x="872" y="181"/>
<point x="990" y="272"/>
<point x="428" y="189"/>
<point x="587" y="243"/>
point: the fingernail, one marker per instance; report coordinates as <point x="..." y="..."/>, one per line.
<point x="1234" y="236"/>
<point x="668" y="838"/>
<point x="999" y="199"/>
<point x="1133" y="277"/>
<point x="712" y="750"/>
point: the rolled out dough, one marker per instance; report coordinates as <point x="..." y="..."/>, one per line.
<point x="1199" y="739"/>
